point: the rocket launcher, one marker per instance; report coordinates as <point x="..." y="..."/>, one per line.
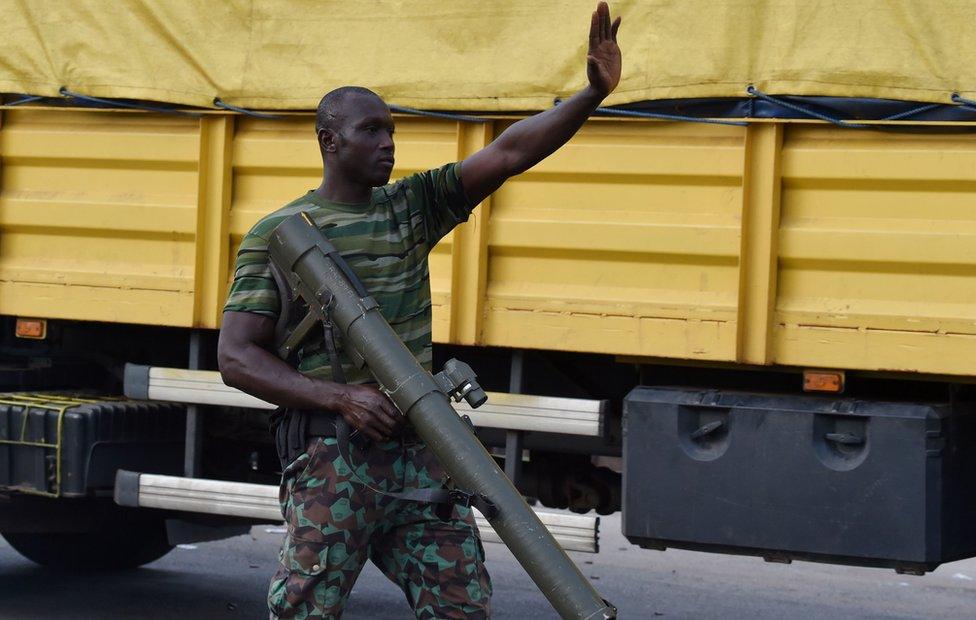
<point x="316" y="272"/>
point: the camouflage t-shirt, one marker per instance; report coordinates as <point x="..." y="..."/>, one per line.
<point x="385" y="241"/>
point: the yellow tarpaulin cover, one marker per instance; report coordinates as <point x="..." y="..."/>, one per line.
<point x="482" y="55"/>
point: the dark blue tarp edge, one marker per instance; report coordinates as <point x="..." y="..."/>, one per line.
<point x="844" y="109"/>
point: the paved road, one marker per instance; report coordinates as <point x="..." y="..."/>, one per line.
<point x="227" y="579"/>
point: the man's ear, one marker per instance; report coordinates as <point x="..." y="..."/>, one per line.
<point x="327" y="140"/>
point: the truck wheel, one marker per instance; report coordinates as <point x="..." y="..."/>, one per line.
<point x="118" y="548"/>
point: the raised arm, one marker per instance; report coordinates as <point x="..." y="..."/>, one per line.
<point x="531" y="140"/>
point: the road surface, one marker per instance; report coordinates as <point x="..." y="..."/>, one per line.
<point x="228" y="579"/>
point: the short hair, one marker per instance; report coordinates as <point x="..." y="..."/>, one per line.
<point x="330" y="107"/>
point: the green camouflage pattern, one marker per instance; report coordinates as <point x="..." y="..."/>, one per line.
<point x="386" y="242"/>
<point x="336" y="522"/>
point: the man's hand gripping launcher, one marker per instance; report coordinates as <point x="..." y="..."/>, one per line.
<point x="315" y="271"/>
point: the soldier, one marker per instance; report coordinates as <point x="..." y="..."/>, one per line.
<point x="337" y="513"/>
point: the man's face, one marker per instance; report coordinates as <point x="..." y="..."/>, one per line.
<point x="364" y="141"/>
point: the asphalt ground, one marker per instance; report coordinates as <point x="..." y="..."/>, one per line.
<point x="228" y="579"/>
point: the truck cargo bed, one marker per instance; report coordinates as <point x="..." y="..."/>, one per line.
<point x="783" y="242"/>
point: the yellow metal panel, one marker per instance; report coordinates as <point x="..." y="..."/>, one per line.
<point x="627" y="239"/>
<point x="760" y="227"/>
<point x="97" y="216"/>
<point x="700" y="238"/>
<point x="99" y="138"/>
<point x="33" y="211"/>
<point x="115" y="303"/>
<point x="213" y="203"/>
<point x="441" y="272"/>
<point x="633" y="335"/>
<point x="469" y="272"/>
<point x="877" y="251"/>
<point x="796" y="244"/>
<point x="877" y="349"/>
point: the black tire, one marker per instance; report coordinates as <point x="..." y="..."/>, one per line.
<point x="125" y="545"/>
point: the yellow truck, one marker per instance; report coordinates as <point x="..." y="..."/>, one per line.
<point x="739" y="306"/>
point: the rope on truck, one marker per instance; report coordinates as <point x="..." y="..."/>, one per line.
<point x="121" y="104"/>
<point x="753" y="93"/>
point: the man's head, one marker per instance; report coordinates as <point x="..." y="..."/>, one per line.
<point x="355" y="135"/>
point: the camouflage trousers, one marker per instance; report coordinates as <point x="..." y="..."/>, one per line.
<point x="335" y="523"/>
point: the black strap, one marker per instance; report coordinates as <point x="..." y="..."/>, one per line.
<point x="284" y="304"/>
<point x="349" y="273"/>
<point x="338" y="375"/>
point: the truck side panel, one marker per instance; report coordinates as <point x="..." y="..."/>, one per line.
<point x="785" y="243"/>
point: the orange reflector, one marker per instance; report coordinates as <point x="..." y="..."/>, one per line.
<point x="823" y="381"/>
<point x="31" y="328"/>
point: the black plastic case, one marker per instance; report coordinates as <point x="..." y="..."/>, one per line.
<point x="800" y="477"/>
<point x="96" y="438"/>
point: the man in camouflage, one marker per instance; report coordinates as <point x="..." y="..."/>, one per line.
<point x="335" y="508"/>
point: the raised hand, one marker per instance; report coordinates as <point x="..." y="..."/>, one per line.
<point x="528" y="141"/>
<point x="603" y="55"/>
